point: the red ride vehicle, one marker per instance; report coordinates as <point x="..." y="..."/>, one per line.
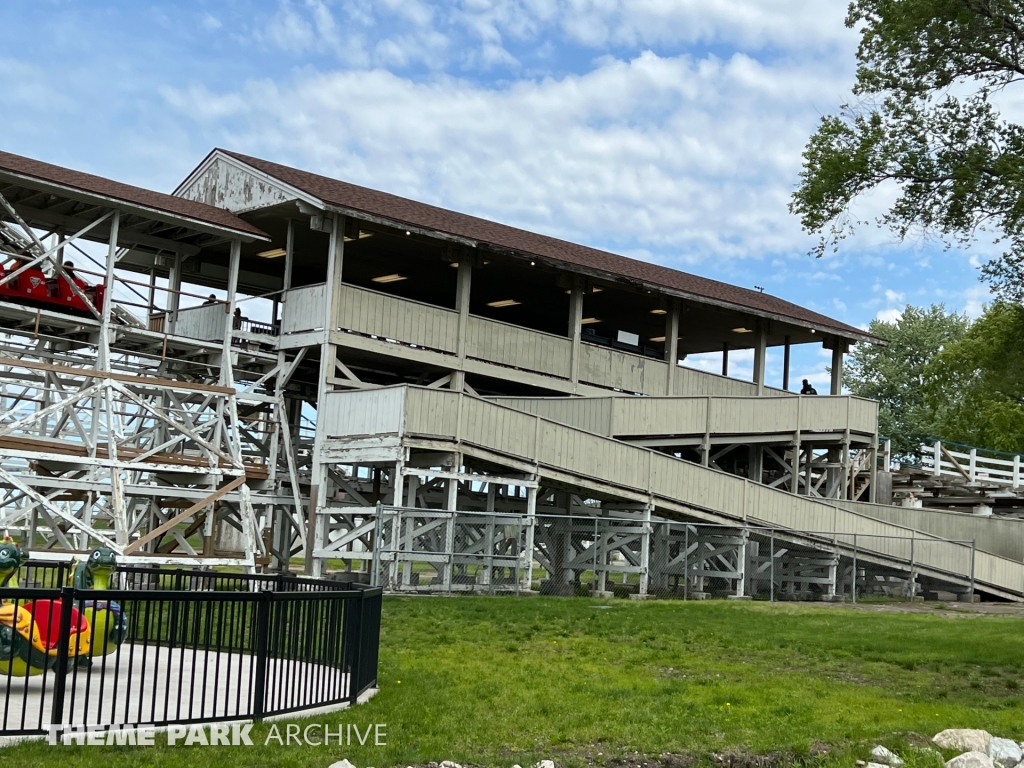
<point x="33" y="287"/>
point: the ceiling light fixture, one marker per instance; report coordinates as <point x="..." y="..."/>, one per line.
<point x="454" y="265"/>
<point x="659" y="311"/>
<point x="742" y="330"/>
<point x="657" y="338"/>
<point x="275" y="253"/>
<point x="503" y="303"/>
<point x="589" y="320"/>
<point x="389" y="278"/>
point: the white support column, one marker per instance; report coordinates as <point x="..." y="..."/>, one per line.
<point x="103" y="361"/>
<point x="462" y="294"/>
<point x="672" y="346"/>
<point x="575" y="327"/>
<point x="328" y="355"/>
<point x="531" y="521"/>
<point x="837" y="367"/>
<point x="760" y="353"/>
<point x="173" y="295"/>
<point x="787" y="353"/>
<point x="226" y="374"/>
<point x="452" y="505"/>
<point x="741" y="564"/>
<point x="645" y="551"/>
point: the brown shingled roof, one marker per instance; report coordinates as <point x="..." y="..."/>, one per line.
<point x="143" y="198"/>
<point x="421" y="215"/>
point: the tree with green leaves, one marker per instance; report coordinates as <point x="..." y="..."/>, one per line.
<point x="926" y="122"/>
<point x="896" y="375"/>
<point x="975" y="386"/>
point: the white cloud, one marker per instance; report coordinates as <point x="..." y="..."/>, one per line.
<point x="210" y="23"/>
<point x="889" y="315"/>
<point x="693" y="155"/>
<point x="975" y="299"/>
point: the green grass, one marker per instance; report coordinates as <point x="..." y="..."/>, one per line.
<point x="497" y="681"/>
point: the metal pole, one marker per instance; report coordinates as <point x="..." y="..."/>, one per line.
<point x="771" y="552"/>
<point x="260" y="676"/>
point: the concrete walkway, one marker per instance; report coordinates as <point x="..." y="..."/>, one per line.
<point x="148" y="684"/>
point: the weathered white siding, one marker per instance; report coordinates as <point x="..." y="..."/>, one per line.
<point x="389" y="317"/>
<point x="227" y="185"/>
<point x="607" y="367"/>
<point x="363" y="412"/>
<point x="206" y="323"/>
<point x="303" y="309"/>
<point x="625" y="416"/>
<point x="516" y="347"/>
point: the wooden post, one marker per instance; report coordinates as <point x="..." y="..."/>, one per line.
<point x="108" y="295"/>
<point x="760" y="352"/>
<point x="226" y="377"/>
<point x="837" y="367"/>
<point x="725" y="358"/>
<point x="173" y="295"/>
<point x="462" y="293"/>
<point x="672" y="346"/>
<point x="575" y="328"/>
<point x="328" y="355"/>
<point x="785" y="364"/>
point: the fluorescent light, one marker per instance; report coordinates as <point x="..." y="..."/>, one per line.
<point x="363" y="234"/>
<point x="589" y="320"/>
<point x="389" y="278"/>
<point x="503" y="303"/>
<point x="454" y="265"/>
<point x="595" y="289"/>
<point x="659" y="311"/>
<point x="657" y="338"/>
<point x="741" y="330"/>
<point x="275" y="253"/>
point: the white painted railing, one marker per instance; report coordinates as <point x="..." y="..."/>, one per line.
<point x="942" y="461"/>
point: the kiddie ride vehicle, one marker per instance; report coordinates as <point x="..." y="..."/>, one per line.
<point x="29" y="632"/>
<point x="33" y="287"/>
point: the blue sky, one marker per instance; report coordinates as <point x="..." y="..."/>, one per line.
<point x="667" y="130"/>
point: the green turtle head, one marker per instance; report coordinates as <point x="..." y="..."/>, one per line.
<point x="11" y="555"/>
<point x="102" y="559"/>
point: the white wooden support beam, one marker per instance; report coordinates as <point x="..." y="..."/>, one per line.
<point x="531" y="524"/>
<point x="837" y="367"/>
<point x="462" y="293"/>
<point x="672" y="346"/>
<point x="103" y="354"/>
<point x="575" y="327"/>
<point x="760" y="353"/>
<point x="645" y="550"/>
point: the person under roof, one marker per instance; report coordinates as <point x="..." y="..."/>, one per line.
<point x="808" y="389"/>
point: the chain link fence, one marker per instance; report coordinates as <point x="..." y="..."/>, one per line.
<point x="636" y="555"/>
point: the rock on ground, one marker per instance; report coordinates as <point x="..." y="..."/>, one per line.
<point x="877" y="765"/>
<point x="545" y="764"/>
<point x="1005" y="752"/>
<point x="972" y="759"/>
<point x="884" y="756"/>
<point x="967" y="739"/>
<point x="449" y="764"/>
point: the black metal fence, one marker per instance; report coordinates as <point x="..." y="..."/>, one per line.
<point x="176" y="647"/>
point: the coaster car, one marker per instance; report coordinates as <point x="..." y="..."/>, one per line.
<point x="33" y="287"/>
